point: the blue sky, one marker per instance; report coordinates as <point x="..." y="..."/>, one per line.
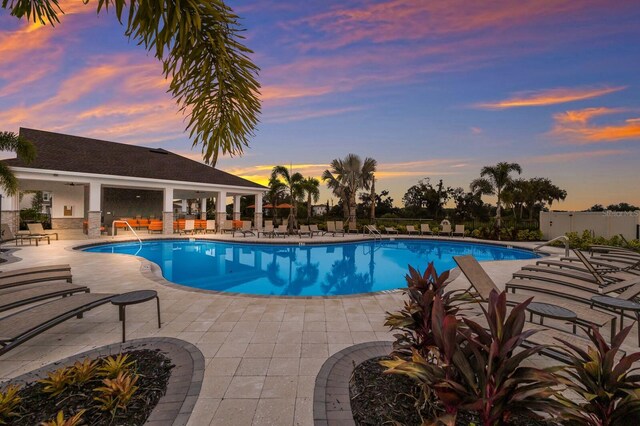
<point x="429" y="89"/>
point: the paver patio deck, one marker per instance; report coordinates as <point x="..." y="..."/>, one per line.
<point x="262" y="354"/>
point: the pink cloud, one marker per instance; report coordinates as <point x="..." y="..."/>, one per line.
<point x="578" y="127"/>
<point x="551" y="97"/>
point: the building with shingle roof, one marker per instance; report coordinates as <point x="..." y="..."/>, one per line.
<point x="94" y="182"/>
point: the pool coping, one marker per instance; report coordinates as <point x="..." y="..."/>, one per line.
<point x="153" y="272"/>
<point x="183" y="389"/>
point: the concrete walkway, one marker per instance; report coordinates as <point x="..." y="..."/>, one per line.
<point x="262" y="354"/>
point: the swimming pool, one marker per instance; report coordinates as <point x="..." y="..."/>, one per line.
<point x="302" y="270"/>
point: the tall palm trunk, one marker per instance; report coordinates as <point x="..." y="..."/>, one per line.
<point x="308" y="208"/>
<point x="352" y="211"/>
<point x="373" y="201"/>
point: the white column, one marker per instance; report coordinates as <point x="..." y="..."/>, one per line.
<point x="236" y="207"/>
<point x="203" y="209"/>
<point x="257" y="215"/>
<point x="221" y="209"/>
<point x="94" y="215"/>
<point x="167" y="211"/>
<point x="184" y="206"/>
<point x="10" y="211"/>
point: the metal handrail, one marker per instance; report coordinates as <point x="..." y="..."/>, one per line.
<point x="372" y="231"/>
<point x="113" y="229"/>
<point x="560" y="238"/>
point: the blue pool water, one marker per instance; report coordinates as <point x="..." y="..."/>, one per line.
<point x="302" y="270"/>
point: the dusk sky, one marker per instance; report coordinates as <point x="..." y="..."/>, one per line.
<point x="432" y="89"/>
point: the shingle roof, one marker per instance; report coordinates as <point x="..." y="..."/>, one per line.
<point x="62" y="152"/>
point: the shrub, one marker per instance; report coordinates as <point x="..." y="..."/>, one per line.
<point x="117" y="393"/>
<point x="61" y="421"/>
<point x="112" y="367"/>
<point x="478" y="370"/>
<point x="414" y="320"/>
<point x="610" y="393"/>
<point x="57" y="381"/>
<point x="9" y="400"/>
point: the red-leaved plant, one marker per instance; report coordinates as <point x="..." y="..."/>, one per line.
<point x="609" y="389"/>
<point x="414" y="320"/>
<point x="477" y="369"/>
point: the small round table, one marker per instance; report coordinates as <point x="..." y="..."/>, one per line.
<point x="615" y="304"/>
<point x="547" y="310"/>
<point x="133" y="298"/>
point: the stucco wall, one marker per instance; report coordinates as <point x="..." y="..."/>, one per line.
<point x="602" y="224"/>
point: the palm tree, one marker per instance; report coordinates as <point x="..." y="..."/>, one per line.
<point x="346" y="177"/>
<point x="311" y="186"/>
<point x="493" y="180"/>
<point x="293" y="184"/>
<point x="24" y="150"/>
<point x="198" y="42"/>
<point x="275" y="193"/>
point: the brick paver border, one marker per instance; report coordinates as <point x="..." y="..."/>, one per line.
<point x="175" y="407"/>
<point x="331" y="401"/>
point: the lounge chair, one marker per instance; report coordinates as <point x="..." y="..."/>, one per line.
<point x="245" y="229"/>
<point x="267" y="230"/>
<point x="210" y="226"/>
<point x="595" y="248"/>
<point x="21" y="326"/>
<point x="445" y="228"/>
<point x="14" y="297"/>
<point x="226" y="227"/>
<point x="314" y="230"/>
<point x="390" y="230"/>
<point x="331" y="228"/>
<point x="552" y="281"/>
<point x="304" y="230"/>
<point x="36" y="277"/>
<point x="7" y="235"/>
<point x="458" y="231"/>
<point x="483" y="285"/>
<point x="605" y="270"/>
<point x="36" y="229"/>
<point x="36" y="270"/>
<point x="412" y="230"/>
<point x="281" y="231"/>
<point x="188" y="228"/>
<point x="425" y="229"/>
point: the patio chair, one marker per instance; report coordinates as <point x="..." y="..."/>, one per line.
<point x="390" y="230"/>
<point x="267" y="229"/>
<point x="280" y="231"/>
<point x="304" y="230"/>
<point x="36" y="229"/>
<point x="10" y="280"/>
<point x="155" y="226"/>
<point x="245" y="229"/>
<point x="143" y="224"/>
<point x="459" y="230"/>
<point x="425" y="229"/>
<point x="315" y="230"/>
<point x="226" y="227"/>
<point x="445" y="228"/>
<point x="483" y="285"/>
<point x="412" y="230"/>
<point x="188" y="228"/>
<point x="210" y="226"/>
<point x="14" y="297"/>
<point x="331" y="228"/>
<point x="7" y="235"/>
<point x="340" y="227"/>
<point x="21" y="326"/>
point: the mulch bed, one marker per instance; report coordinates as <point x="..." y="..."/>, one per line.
<point x="154" y="370"/>
<point x="389" y="399"/>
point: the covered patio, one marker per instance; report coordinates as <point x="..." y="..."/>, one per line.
<point x="95" y="182"/>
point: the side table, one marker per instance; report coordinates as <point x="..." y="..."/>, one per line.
<point x="133" y="298"/>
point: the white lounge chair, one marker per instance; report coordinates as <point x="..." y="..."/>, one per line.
<point x="210" y="227"/>
<point x="445" y="228"/>
<point x="304" y="230"/>
<point x="425" y="229"/>
<point x="458" y="231"/>
<point x="412" y="230"/>
<point x="189" y="227"/>
<point x="390" y="230"/>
